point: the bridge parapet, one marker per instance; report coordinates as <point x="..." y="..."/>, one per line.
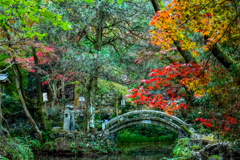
<point x="147" y="117"/>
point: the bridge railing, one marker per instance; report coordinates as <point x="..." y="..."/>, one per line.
<point x="146" y="113"/>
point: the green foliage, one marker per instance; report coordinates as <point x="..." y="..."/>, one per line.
<point x="149" y="133"/>
<point x="15" y="149"/>
<point x="46" y="134"/>
<point x="73" y="146"/>
<point x="34" y="11"/>
<point x="134" y="138"/>
<point x="107" y="86"/>
<point x="181" y="150"/>
<point x="216" y="156"/>
<point x="81" y="144"/>
<point x="50" y="145"/>
<point x="195" y="147"/>
<point x="35" y="144"/>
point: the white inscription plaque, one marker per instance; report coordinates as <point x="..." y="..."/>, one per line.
<point x="146" y="121"/>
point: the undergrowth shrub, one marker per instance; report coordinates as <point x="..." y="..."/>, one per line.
<point x="181" y="150"/>
<point x="129" y="135"/>
<point x="13" y="148"/>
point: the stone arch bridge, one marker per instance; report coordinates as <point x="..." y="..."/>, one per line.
<point x="147" y="117"/>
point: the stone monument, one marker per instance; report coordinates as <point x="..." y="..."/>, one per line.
<point x="69" y="119"/>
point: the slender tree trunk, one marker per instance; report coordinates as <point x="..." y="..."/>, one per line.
<point x="186" y="54"/>
<point x="156" y="5"/>
<point x="75" y="97"/>
<point x="53" y="93"/>
<point x="63" y="91"/>
<point x="93" y="100"/>
<point x="34" y="125"/>
<point x="38" y="109"/>
<point x="21" y="91"/>
<point x="30" y="101"/>
<point x="88" y="106"/>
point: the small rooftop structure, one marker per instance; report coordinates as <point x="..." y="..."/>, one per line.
<point x="4" y="78"/>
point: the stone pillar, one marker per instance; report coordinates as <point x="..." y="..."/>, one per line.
<point x="72" y="125"/>
<point x="69" y="119"/>
<point x="103" y="126"/>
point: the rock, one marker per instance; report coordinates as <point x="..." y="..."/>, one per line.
<point x="195" y="136"/>
<point x="193" y="142"/>
<point x="89" y="135"/>
<point x="70" y="136"/>
<point x="58" y="140"/>
<point x="81" y="133"/>
<point x="213" y="158"/>
<point x="92" y="137"/>
<point x="62" y="134"/>
<point x="192" y="130"/>
<point x="109" y="143"/>
<point x="56" y="128"/>
<point x="53" y="135"/>
<point x="78" y="137"/>
<point x="222" y="149"/>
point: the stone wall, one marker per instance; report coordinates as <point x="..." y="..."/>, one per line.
<point x="73" y="142"/>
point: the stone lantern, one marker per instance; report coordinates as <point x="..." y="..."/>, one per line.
<point x="69" y="119"/>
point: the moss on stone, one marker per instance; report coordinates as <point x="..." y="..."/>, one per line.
<point x="186" y="129"/>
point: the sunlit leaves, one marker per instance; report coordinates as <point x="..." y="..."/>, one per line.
<point x="209" y="18"/>
<point x="26" y="14"/>
<point x="161" y="91"/>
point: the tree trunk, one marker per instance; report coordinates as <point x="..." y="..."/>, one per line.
<point x="88" y="105"/>
<point x="34" y="125"/>
<point x="156" y="5"/>
<point x="94" y="75"/>
<point x="63" y="91"/>
<point x="30" y="101"/>
<point x="75" y="97"/>
<point x="225" y="60"/>
<point x="93" y="101"/>
<point x="53" y="93"/>
<point x="38" y="109"/>
<point x="186" y="54"/>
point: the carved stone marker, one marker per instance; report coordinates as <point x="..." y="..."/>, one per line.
<point x="69" y="119"/>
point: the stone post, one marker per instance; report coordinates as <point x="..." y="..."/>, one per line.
<point x="69" y="118"/>
<point x="103" y="126"/>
